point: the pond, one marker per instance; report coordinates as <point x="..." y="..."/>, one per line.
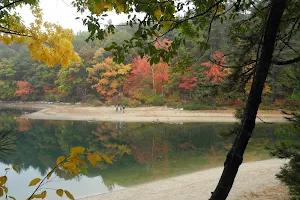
<point x="141" y="152"/>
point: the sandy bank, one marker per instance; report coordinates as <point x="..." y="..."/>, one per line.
<point x="255" y="180"/>
<point x="144" y="114"/>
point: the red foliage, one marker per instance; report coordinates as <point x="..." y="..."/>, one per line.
<point x="24" y="125"/>
<point x="24" y="89"/>
<point x="216" y="71"/>
<point x="188" y="82"/>
<point x="48" y="90"/>
<point x="161" y="75"/>
<point x="165" y="44"/>
<point x="140" y="76"/>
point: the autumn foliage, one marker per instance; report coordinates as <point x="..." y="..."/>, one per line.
<point x="107" y="77"/>
<point x="216" y="71"/>
<point x="24" y="89"/>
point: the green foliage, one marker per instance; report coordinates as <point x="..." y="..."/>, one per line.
<point x="197" y="107"/>
<point x="289" y="147"/>
<point x="155" y="100"/>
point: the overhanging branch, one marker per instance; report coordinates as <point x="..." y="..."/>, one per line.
<point x="10" y="4"/>
<point x="286" y="62"/>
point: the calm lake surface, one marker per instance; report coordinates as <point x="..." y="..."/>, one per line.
<point x="141" y="152"/>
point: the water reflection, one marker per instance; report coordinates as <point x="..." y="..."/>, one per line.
<point x="141" y="152"/>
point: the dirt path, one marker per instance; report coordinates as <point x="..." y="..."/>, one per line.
<point x="255" y="180"/>
<point x="144" y="114"/>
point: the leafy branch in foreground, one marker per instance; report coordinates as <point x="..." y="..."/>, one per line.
<point x="73" y="163"/>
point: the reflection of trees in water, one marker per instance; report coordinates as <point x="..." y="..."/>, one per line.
<point x="140" y="151"/>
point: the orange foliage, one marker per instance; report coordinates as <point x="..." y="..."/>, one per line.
<point x="24" y="125"/>
<point x="216" y="72"/>
<point x="24" y="89"/>
<point x="107" y="77"/>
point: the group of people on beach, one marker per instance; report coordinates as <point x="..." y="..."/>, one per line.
<point x="121" y="107"/>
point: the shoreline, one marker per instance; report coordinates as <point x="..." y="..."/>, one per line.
<point x="139" y="114"/>
<point x="199" y="185"/>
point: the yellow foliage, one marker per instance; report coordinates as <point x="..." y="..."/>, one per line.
<point x="157" y="14"/>
<point x="60" y="159"/>
<point x="39" y="196"/>
<point x="15" y="168"/>
<point x="77" y="150"/>
<point x="3" y="180"/>
<point x="106" y="158"/>
<point x="47" y="42"/>
<point x="107" y="77"/>
<point x="94" y="158"/>
<point x="5" y="189"/>
<point x="50" y="173"/>
<point x="1" y="192"/>
<point x="60" y="192"/>
<point x="69" y="195"/>
<point x="13" y="198"/>
<point x="34" y="181"/>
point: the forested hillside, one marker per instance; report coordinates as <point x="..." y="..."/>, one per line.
<point x="98" y="80"/>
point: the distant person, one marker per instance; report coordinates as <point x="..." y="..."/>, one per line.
<point x="123" y="108"/>
<point x="117" y="107"/>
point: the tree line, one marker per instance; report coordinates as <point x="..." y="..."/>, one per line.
<point x="98" y="80"/>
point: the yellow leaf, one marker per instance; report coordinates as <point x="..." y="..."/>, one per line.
<point x="157" y="14"/>
<point x="1" y="192"/>
<point x="44" y="194"/>
<point x="34" y="181"/>
<point x="3" y="180"/>
<point x="6" y="169"/>
<point x="69" y="195"/>
<point x="50" y="173"/>
<point x="13" y="198"/>
<point x="94" y="158"/>
<point x="77" y="150"/>
<point x="60" y="159"/>
<point x="5" y="189"/>
<point x="106" y="158"/>
<point x="39" y="196"/>
<point x="15" y="168"/>
<point x="60" y="192"/>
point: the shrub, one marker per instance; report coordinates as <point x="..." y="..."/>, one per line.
<point x="289" y="148"/>
<point x="198" y="107"/>
<point x="134" y="103"/>
<point x="155" y="100"/>
<point x="124" y="101"/>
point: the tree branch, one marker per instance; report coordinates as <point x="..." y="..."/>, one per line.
<point x="10" y="4"/>
<point x="286" y="62"/>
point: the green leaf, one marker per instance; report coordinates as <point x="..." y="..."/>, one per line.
<point x="34" y="181"/>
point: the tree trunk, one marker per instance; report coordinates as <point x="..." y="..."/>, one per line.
<point x="235" y="156"/>
<point x="153" y="78"/>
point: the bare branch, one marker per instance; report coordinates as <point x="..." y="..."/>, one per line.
<point x="286" y="62"/>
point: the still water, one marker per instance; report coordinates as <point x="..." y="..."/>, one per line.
<point x="141" y="152"/>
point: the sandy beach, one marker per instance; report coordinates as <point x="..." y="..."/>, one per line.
<point x="255" y="180"/>
<point x="140" y="114"/>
